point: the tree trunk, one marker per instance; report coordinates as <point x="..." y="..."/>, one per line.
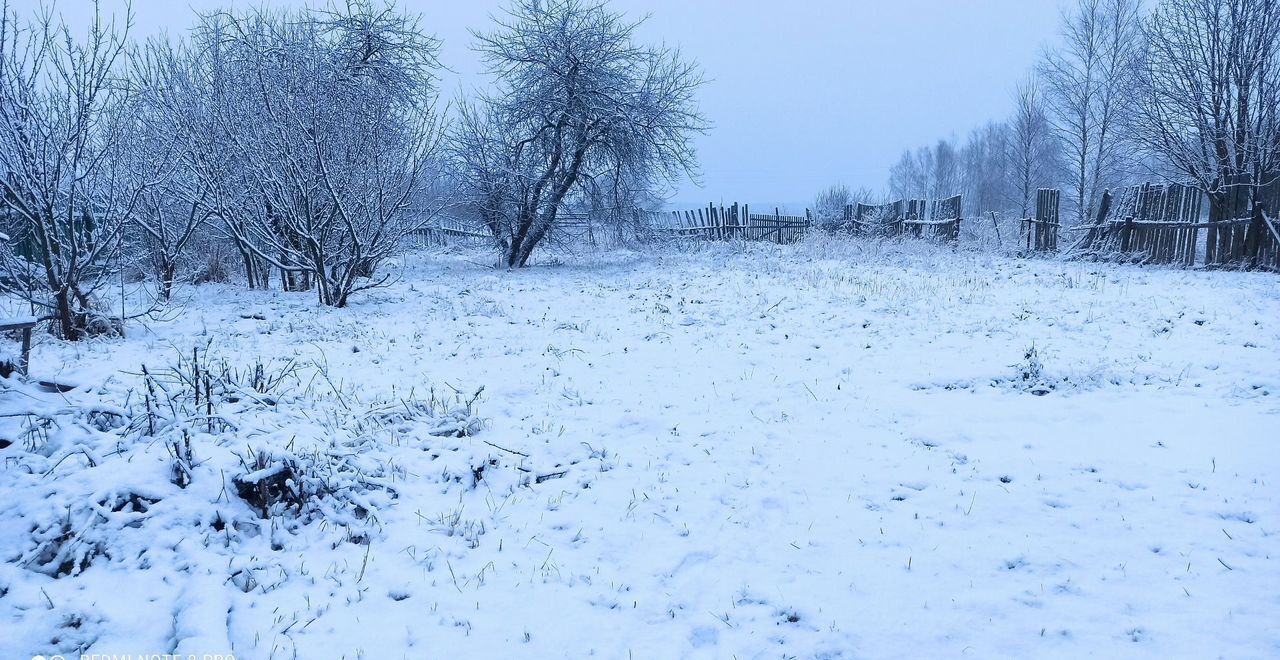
<point x="67" y="319"/>
<point x="168" y="272"/>
<point x="250" y="277"/>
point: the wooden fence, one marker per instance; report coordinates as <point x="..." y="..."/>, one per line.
<point x="1041" y="232"/>
<point x="1242" y="232"/>
<point x="907" y="217"/>
<point x="574" y="229"/>
<point x="1159" y="222"/>
<point x="1150" y="223"/>
<point x="446" y="230"/>
<point x="735" y="221"/>
<point x="1162" y="224"/>
<point x="570" y="228"/>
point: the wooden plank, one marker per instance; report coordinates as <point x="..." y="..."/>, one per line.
<point x="18" y="323"/>
<point x="23" y="324"/>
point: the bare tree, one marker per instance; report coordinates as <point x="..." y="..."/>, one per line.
<point x="910" y="176"/>
<point x="1211" y="89"/>
<point x="576" y="99"/>
<point x="615" y="203"/>
<point x="985" y="167"/>
<point x="170" y="110"/>
<point x="1122" y="46"/>
<point x="332" y="126"/>
<point x="1088" y="87"/>
<point x="199" y="87"/>
<point x="1031" y="146"/>
<point x="928" y="172"/>
<point x="945" y="179"/>
<point x="61" y="127"/>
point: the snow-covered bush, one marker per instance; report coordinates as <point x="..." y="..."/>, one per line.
<point x="232" y="452"/>
<point x="1031" y="375"/>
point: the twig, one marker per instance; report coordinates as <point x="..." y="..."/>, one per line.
<point x="510" y="451"/>
<point x="548" y="477"/>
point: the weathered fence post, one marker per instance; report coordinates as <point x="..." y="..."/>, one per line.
<point x="1253" y="240"/>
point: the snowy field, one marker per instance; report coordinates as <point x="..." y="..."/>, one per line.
<point x="826" y="450"/>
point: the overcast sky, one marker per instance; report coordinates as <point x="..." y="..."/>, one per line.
<point x="802" y="93"/>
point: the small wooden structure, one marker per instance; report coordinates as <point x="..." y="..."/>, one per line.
<point x="944" y="220"/>
<point x="880" y="219"/>
<point x="24" y="325"/>
<point x="1159" y="222"/>
<point x="776" y="227"/>
<point x="1041" y="232"/>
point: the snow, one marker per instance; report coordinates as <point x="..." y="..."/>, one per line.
<point x="835" y="449"/>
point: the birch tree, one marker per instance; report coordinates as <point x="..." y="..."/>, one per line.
<point x="910" y="177"/>
<point x="929" y="172"/>
<point x="985" y="168"/>
<point x="1088" y="91"/>
<point x="1031" y="147"/>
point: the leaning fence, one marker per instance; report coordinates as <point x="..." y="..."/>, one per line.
<point x="731" y="222"/>
<point x="920" y="218"/>
<point x="1164" y="224"/>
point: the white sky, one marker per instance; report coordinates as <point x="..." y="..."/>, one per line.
<point x="802" y="94"/>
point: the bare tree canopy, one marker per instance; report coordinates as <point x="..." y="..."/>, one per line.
<point x="1032" y="150"/>
<point x="65" y="193"/>
<point x="1210" y="89"/>
<point x="1088" y="92"/>
<point x="929" y="172"/>
<point x="330" y="120"/>
<point x="576" y="101"/>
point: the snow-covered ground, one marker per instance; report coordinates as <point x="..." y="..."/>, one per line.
<point x="835" y="449"/>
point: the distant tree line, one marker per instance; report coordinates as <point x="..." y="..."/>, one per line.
<point x="1180" y="90"/>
